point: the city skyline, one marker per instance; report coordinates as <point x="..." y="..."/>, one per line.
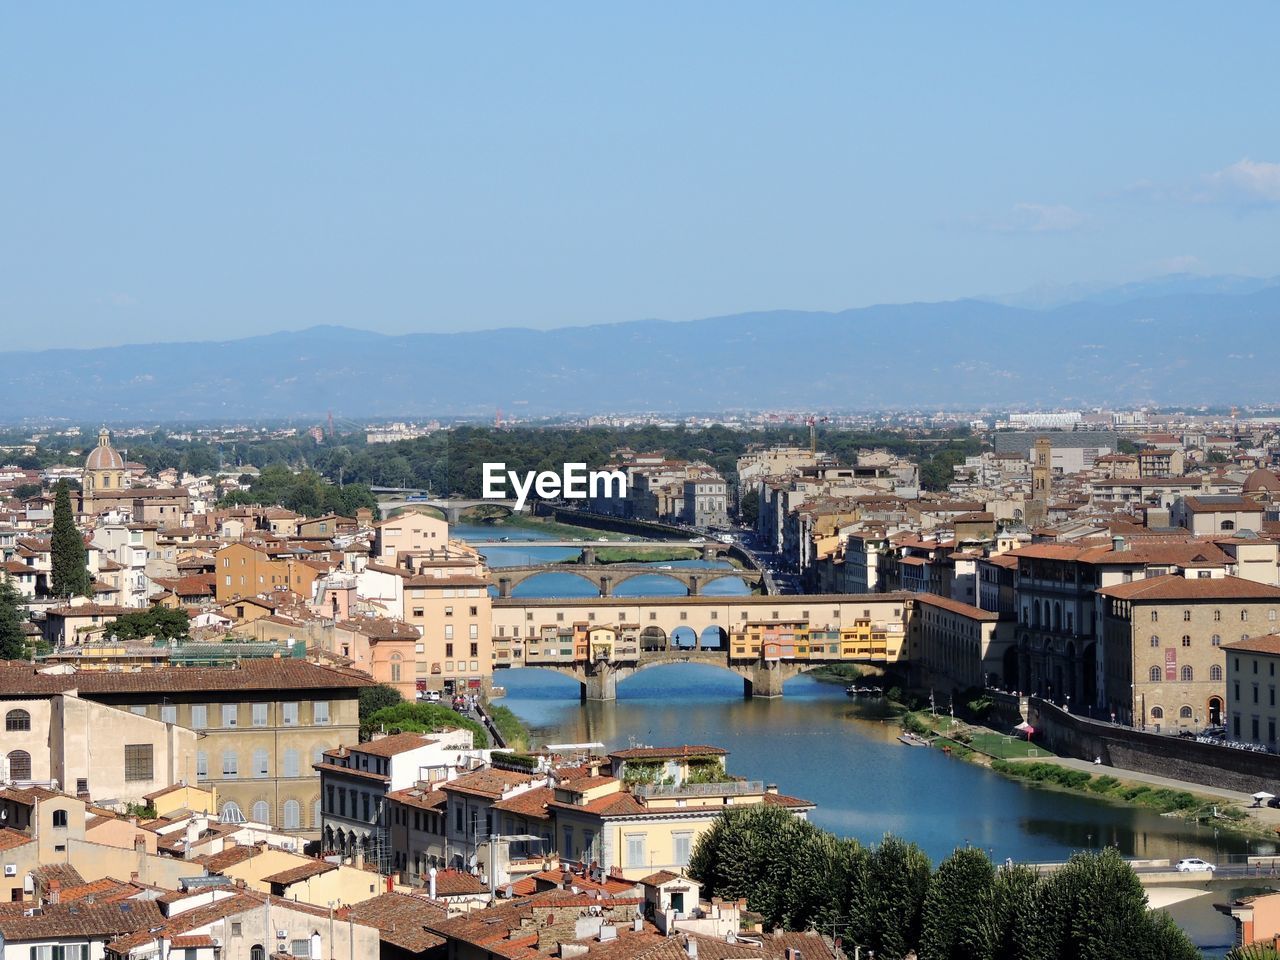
<point x="440" y="169"/>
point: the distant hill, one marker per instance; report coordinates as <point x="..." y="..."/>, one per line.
<point x="1202" y="346"/>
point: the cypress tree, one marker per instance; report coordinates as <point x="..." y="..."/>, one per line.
<point x="69" y="557"/>
<point x="13" y="643"/>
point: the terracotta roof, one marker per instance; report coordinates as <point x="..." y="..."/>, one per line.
<point x="303" y="871"/>
<point x="393" y="744"/>
<point x="263" y="674"/>
<point x="1174" y="587"/>
<point x="659" y="878"/>
<point x="81" y="920"/>
<point x="10" y="838"/>
<point x="673" y="753"/>
<point x="192" y="919"/>
<point x="229" y="857"/>
<point x="1270" y="644"/>
<point x="490" y="783"/>
<point x="422" y="799"/>
<point x="399" y="918"/>
<point x="791" y="803"/>
<point x="531" y="803"/>
<point x="958" y="607"/>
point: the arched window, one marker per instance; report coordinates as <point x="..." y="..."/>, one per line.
<point x="1215" y="672"/>
<point x="1216" y="641"/>
<point x="1157" y="713"/>
<point x="1186" y="640"/>
<point x="257" y="953"/>
<point x="292" y="815"/>
<point x="19" y="765"/>
<point x="1228" y="525"/>
<point x="1155" y="616"/>
<point x="1155" y="641"/>
<point x="262" y="812"/>
<point x="1185" y="713"/>
<point x="59" y="818"/>
<point x="231" y="812"/>
<point x="17" y="720"/>
<point x="1187" y="674"/>
<point x="1154" y="674"/>
<point x="395" y="668"/>
<point x="1244" y="616"/>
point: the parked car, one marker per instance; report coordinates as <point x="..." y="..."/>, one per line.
<point x="429" y="696"/>
<point x="1193" y="865"/>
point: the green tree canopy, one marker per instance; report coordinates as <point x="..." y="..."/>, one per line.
<point x="163" y="623"/>
<point x="70" y="559"/>
<point x="13" y="642"/>
<point x="407" y="717"/>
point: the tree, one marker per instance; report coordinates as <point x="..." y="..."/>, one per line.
<point x="163" y="623"/>
<point x="958" y="909"/>
<point x="1254" y="951"/>
<point x="749" y="507"/>
<point x="13" y="642"/>
<point x="70" y="559"/>
<point x="25" y="491"/>
<point x="888" y="910"/>
<point x="375" y="698"/>
<point x="407" y="717"/>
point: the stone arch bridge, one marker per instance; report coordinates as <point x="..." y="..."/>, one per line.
<point x="605" y="577"/>
<point x="599" y="679"/>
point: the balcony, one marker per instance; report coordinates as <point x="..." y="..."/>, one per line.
<point x="729" y="788"/>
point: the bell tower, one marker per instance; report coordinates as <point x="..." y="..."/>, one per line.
<point x="1041" y="472"/>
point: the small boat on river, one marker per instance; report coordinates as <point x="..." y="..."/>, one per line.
<point x="913" y="739"/>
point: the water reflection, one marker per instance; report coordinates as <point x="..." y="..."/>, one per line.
<point x="817" y="744"/>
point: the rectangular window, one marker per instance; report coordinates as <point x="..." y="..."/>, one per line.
<point x="682" y="847"/>
<point x="567" y="850"/>
<point x="635" y="850"/>
<point x="475" y="649"/>
<point x="320" y="713"/>
<point x="448" y="631"/>
<point x="474" y="630"/>
<point x="259" y="714"/>
<point x="290" y="712"/>
<point x="230" y="765"/>
<point x="228" y="714"/>
<point x="169" y="713"/>
<point x="138" y="764"/>
<point x="202" y="764"/>
<point x="300" y="948"/>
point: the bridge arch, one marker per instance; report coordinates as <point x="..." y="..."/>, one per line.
<point x="714" y="637"/>
<point x="652" y="639"/>
<point x="683" y="638"/>
<point x="520" y="586"/>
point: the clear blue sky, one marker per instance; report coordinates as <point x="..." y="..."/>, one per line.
<point x="175" y="171"/>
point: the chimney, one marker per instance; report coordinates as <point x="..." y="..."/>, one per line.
<point x="771" y="788"/>
<point x="1117" y="543"/>
<point x="139" y="843"/>
<point x="691" y="948"/>
<point x="431" y="883"/>
<point x="53" y="894"/>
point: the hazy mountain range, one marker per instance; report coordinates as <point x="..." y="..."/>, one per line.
<point x="1174" y="340"/>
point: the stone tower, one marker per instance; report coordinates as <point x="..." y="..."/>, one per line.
<point x="1041" y="470"/>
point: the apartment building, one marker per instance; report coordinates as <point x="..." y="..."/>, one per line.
<point x="1252" y="712"/>
<point x="1162" y="664"/>
<point x="245" y="569"/>
<point x="259" y="727"/>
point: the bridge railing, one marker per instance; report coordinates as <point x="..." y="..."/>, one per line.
<point x="729" y="788"/>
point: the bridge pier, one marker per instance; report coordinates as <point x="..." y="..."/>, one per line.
<point x="606" y="585"/>
<point x="764" y="681"/>
<point x="601" y="684"/>
<point x="709" y="551"/>
<point x="504" y="587"/>
<point x="695" y="586"/>
<point x="453" y="515"/>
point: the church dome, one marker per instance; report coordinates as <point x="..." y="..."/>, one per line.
<point x="104" y="456"/>
<point x="1261" y="480"/>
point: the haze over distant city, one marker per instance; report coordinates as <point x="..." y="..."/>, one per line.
<point x="182" y="173"/>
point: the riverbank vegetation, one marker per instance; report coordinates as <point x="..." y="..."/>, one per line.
<point x="845" y="673"/>
<point x="509" y="726"/>
<point x="889" y="898"/>
<point x="553" y="528"/>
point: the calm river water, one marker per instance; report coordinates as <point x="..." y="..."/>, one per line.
<point x="818" y="744"/>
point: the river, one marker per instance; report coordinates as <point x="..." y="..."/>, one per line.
<point x="818" y="744"/>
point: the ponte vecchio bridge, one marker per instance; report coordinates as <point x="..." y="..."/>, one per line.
<point x="766" y="640"/>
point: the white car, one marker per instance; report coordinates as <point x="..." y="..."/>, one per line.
<point x="1193" y="865"/>
<point x="429" y="696"/>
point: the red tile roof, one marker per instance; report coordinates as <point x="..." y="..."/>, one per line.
<point x="1173" y="587"/>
